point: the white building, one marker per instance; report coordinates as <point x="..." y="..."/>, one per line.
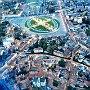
<point x="78" y="19"/>
<point x="58" y="53"/>
<point x="38" y="82"/>
<point x="38" y="50"/>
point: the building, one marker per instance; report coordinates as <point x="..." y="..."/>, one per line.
<point x="38" y="50"/>
<point x="58" y="53"/>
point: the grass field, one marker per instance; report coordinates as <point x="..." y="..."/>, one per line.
<point x="26" y="24"/>
<point x="57" y="22"/>
<point x="41" y="27"/>
<point x="51" y="23"/>
<point x="33" y="22"/>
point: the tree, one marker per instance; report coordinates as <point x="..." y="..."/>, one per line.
<point x="36" y="44"/>
<point x="0" y="41"/>
<point x="30" y="47"/>
<point x="60" y="75"/>
<point x="61" y="50"/>
<point x="6" y="22"/>
<point x="2" y="32"/>
<point x="49" y="50"/>
<point x="80" y="73"/>
<point x="86" y="20"/>
<point x="62" y="43"/>
<point x="9" y="52"/>
<point x="69" y="87"/>
<point x="55" y="83"/>
<point x="75" y="59"/>
<point x="84" y="13"/>
<point x="88" y="88"/>
<point x="88" y="77"/>
<point x="54" y="47"/>
<point x="53" y="68"/>
<point x="14" y="51"/>
<point x="51" y="8"/>
<point x="32" y="51"/>
<point x="62" y="63"/>
<point x="88" y="32"/>
<point x="17" y="36"/>
<point x="43" y="44"/>
<point x="24" y="36"/>
<point x="52" y="42"/>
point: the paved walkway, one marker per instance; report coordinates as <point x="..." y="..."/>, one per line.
<point x="20" y="21"/>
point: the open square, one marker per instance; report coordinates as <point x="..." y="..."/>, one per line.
<point x="42" y="24"/>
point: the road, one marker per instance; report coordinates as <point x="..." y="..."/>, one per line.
<point x="66" y="28"/>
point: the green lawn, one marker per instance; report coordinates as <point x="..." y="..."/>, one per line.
<point x="87" y="32"/>
<point x="51" y="23"/>
<point x="57" y="22"/>
<point x="41" y="27"/>
<point x="26" y="24"/>
<point x="33" y="22"/>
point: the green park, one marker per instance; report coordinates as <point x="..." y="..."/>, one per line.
<point x="42" y="24"/>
